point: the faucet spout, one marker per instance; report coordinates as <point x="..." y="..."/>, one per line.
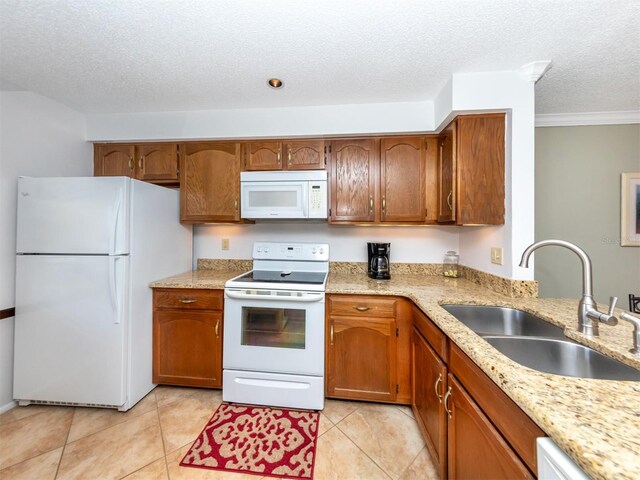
<point x="588" y="314"/>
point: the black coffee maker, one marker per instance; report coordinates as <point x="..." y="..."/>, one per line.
<point x="379" y="260"/>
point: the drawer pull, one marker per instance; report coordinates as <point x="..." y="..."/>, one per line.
<point x="332" y="334"/>
<point x="438" y="381"/>
<point x="218" y="328"/>
<point x="187" y="300"/>
<point x="362" y="309"/>
<point x="446" y="401"/>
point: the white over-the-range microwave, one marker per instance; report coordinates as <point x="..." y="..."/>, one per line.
<point x="284" y="194"/>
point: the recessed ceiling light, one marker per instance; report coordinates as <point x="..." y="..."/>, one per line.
<point x="275" y="83"/>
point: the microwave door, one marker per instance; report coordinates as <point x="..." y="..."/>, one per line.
<point x="276" y="200"/>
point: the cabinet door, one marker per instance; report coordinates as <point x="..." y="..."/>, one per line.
<point x="113" y="160"/>
<point x="429" y="380"/>
<point x="305" y="155"/>
<point x="475" y="448"/>
<point x="402" y="179"/>
<point x="210" y="182"/>
<point x="263" y="156"/>
<point x="446" y="175"/>
<point x="361" y="358"/>
<point x="480" y="169"/>
<point x="157" y="161"/>
<point x="187" y="348"/>
<point x="353" y="179"/>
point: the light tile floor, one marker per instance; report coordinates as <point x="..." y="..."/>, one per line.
<point x="357" y="440"/>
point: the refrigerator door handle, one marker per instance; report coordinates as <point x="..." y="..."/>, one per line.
<point x="113" y="288"/>
<point x="114" y="233"/>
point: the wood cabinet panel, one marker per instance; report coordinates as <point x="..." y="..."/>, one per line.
<point x="305" y="155"/>
<point x="157" y="161"/>
<point x="362" y="305"/>
<point x="353" y="168"/>
<point x="436" y="338"/>
<point x="447" y="186"/>
<point x="188" y="346"/>
<point x="402" y="179"/>
<point x="361" y="358"/>
<point x="431" y="179"/>
<point x="112" y="159"/>
<point x="187" y="298"/>
<point x="516" y="426"/>
<point x="475" y="448"/>
<point x="210" y="182"/>
<point x="480" y="169"/>
<point x="263" y="156"/>
<point x="429" y="380"/>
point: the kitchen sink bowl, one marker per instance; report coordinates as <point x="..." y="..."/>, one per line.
<point x="485" y="320"/>
<point x="562" y="357"/>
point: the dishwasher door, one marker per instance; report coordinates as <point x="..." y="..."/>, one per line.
<point x="554" y="464"/>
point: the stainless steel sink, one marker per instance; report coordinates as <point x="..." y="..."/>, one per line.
<point x="562" y="357"/>
<point x="486" y="320"/>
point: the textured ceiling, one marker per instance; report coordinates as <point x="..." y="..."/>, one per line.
<point x="150" y="55"/>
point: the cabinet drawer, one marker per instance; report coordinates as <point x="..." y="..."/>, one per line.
<point x="362" y="306"/>
<point x="435" y="337"/>
<point x="187" y="298"/>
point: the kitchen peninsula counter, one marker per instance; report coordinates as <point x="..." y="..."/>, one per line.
<point x="597" y="422"/>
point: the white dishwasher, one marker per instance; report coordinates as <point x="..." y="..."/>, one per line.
<point x="554" y="464"/>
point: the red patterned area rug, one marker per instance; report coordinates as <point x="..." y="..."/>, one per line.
<point x="275" y="442"/>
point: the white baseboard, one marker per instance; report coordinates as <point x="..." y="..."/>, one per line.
<point x="8" y="406"/>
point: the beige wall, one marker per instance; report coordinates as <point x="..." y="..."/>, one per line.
<point x="578" y="199"/>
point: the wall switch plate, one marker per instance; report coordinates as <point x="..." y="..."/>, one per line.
<point x="496" y="255"/>
<point x="225" y="244"/>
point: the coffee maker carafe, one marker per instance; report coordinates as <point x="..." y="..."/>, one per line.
<point x="379" y="260"/>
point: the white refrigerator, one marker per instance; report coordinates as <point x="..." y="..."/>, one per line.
<point x="87" y="249"/>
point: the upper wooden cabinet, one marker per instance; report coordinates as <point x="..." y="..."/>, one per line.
<point x="471" y="170"/>
<point x="151" y="162"/>
<point x="353" y="176"/>
<point x="289" y="155"/>
<point x="387" y="180"/>
<point x="210" y="182"/>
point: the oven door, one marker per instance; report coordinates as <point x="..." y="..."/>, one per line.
<point x="275" y="199"/>
<point x="274" y="331"/>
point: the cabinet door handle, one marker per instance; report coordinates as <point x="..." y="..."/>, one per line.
<point x="438" y="381"/>
<point x="218" y="328"/>
<point x="289" y="157"/>
<point x="141" y="163"/>
<point x="187" y="300"/>
<point x="131" y="163"/>
<point x="384" y="204"/>
<point x="446" y="402"/>
<point x="370" y="204"/>
<point x="362" y="309"/>
<point x="279" y="158"/>
<point x="331" y="335"/>
<point x="449" y="200"/>
<point x="235" y="204"/>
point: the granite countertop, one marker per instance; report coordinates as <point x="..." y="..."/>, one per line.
<point x="597" y="422"/>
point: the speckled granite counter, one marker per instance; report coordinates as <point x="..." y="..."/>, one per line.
<point x="597" y="422"/>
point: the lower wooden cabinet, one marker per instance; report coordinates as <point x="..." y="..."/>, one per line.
<point x="187" y="337"/>
<point x="429" y="381"/>
<point x="368" y="348"/>
<point x="475" y="448"/>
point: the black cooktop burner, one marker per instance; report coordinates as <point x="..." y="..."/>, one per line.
<point x="268" y="276"/>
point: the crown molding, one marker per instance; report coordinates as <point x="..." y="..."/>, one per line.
<point x="535" y="70"/>
<point x="588" y="118"/>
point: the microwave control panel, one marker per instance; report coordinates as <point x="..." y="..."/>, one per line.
<point x="317" y="199"/>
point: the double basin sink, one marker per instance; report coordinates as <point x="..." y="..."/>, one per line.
<point x="537" y="344"/>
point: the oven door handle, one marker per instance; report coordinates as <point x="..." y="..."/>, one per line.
<point x="275" y="298"/>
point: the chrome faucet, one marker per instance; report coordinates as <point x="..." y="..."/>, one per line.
<point x="635" y="321"/>
<point x="588" y="314"/>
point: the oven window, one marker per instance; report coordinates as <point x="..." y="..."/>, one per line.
<point x="273" y="327"/>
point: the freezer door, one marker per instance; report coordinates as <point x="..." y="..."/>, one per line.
<point x="75" y="215"/>
<point x="70" y="328"/>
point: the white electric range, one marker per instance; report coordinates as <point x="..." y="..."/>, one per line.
<point x="274" y="327"/>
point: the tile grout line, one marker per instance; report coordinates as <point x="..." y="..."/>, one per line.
<point x="64" y="447"/>
<point x="412" y="461"/>
<point x="164" y="449"/>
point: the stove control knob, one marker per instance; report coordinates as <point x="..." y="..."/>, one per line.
<point x="259" y="249"/>
<point x="313" y="250"/>
<point x="321" y="251"/>
<point x="266" y="249"/>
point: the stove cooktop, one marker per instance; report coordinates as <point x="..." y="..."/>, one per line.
<point x="268" y="276"/>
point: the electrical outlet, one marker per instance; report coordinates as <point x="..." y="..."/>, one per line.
<point x="225" y="244"/>
<point x="496" y="255"/>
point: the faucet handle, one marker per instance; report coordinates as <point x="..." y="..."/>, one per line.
<point x="612" y="305"/>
